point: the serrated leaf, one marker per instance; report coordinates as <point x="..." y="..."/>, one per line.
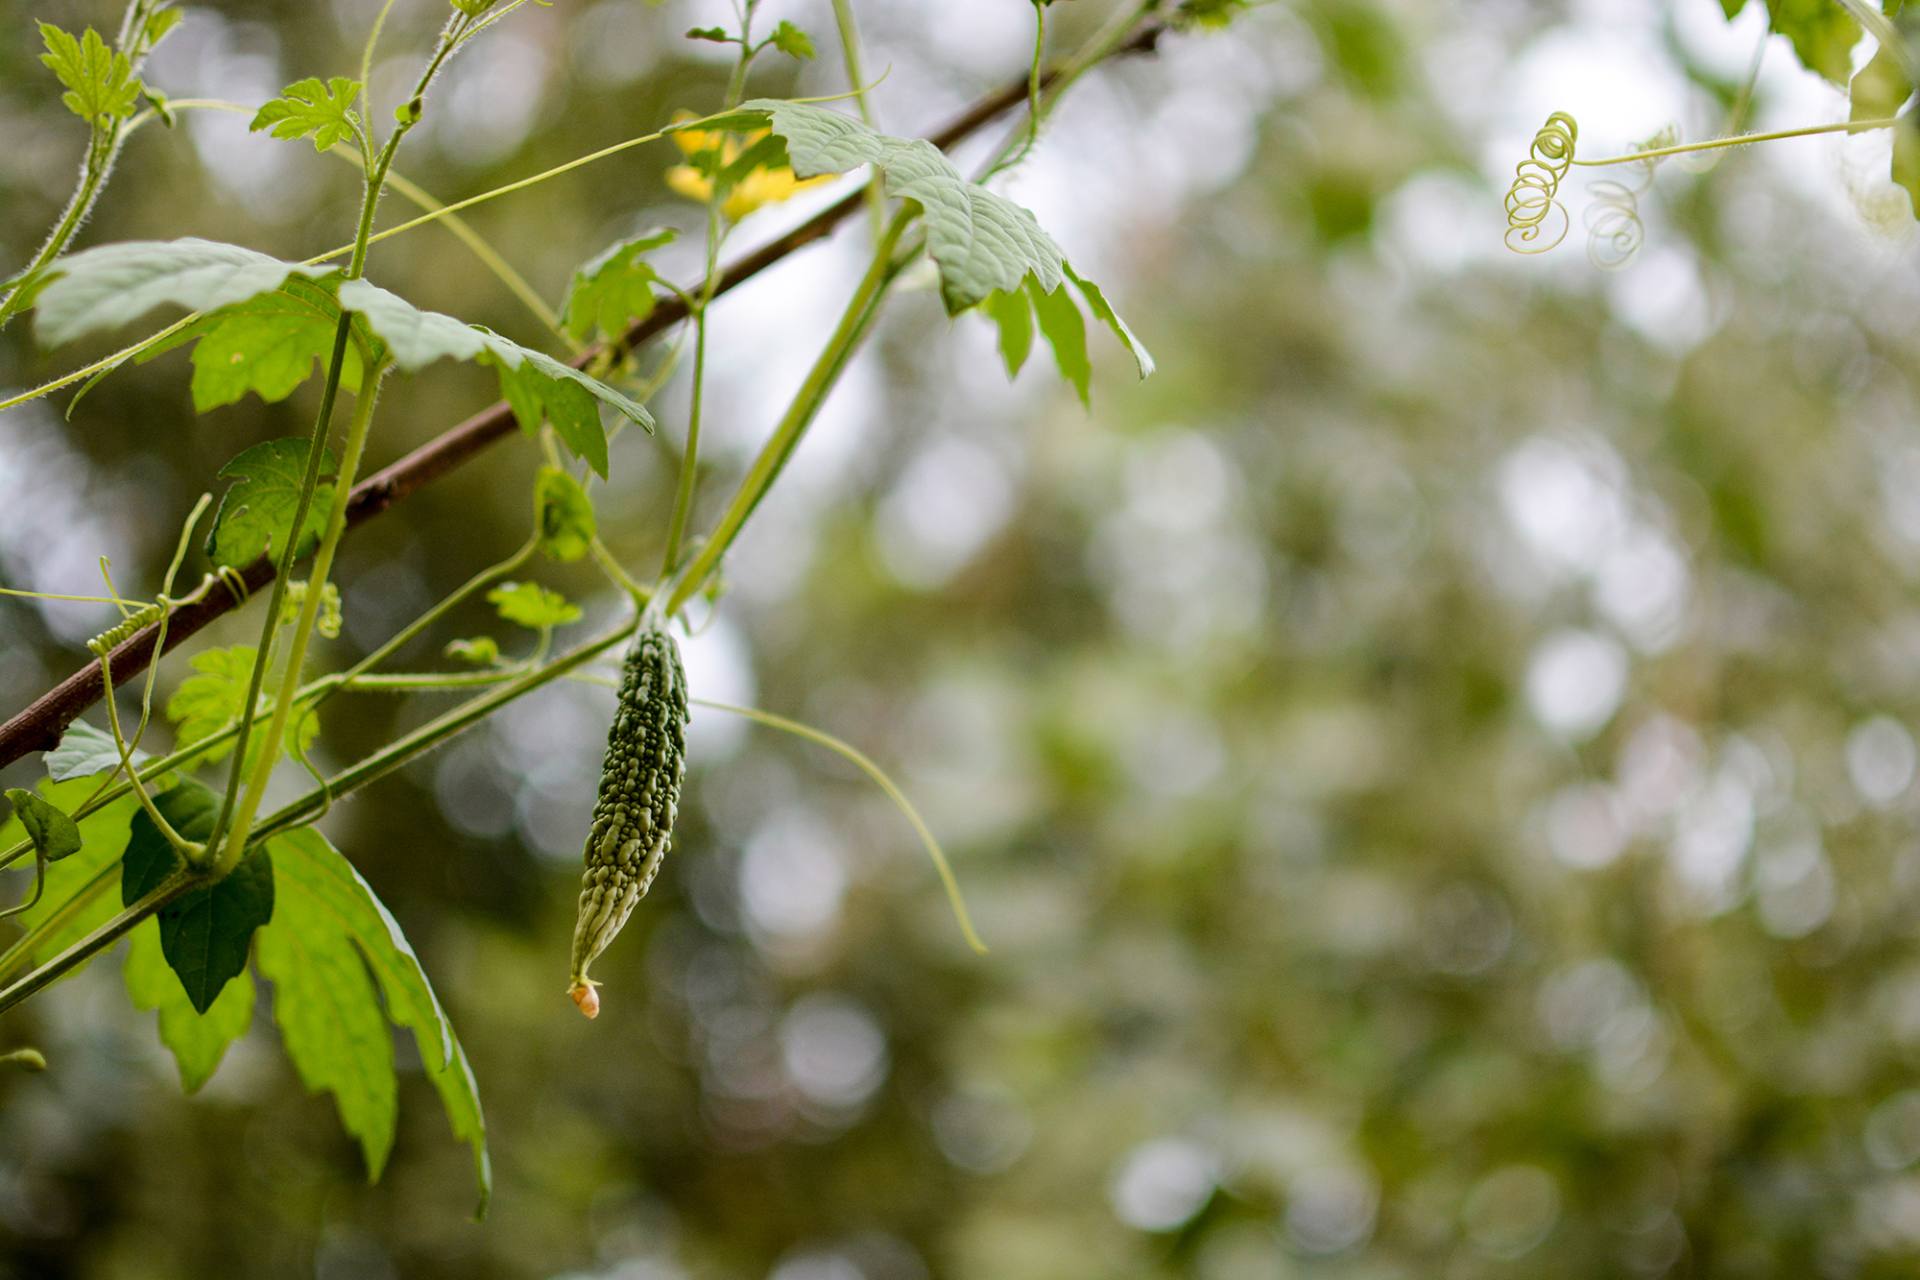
<point x="980" y="240"/>
<point x="205" y="935"/>
<point x="538" y="387"/>
<point x="614" y="289"/>
<point x="528" y="604"/>
<point x="267" y="345"/>
<point x="198" y="1041"/>
<point x="1103" y="312"/>
<point x="793" y="42"/>
<point x="53" y="833"/>
<point x="1065" y="330"/>
<point x="481" y="651"/>
<point x="310" y="108"/>
<point x="1012" y="317"/>
<point x="329" y="930"/>
<point x="85" y="752"/>
<point x="116" y="284"/>
<point x="99" y="80"/>
<point x="211" y="699"/>
<point x="256" y="513"/>
<point x="563" y="515"/>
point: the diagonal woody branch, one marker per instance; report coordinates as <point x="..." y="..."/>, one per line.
<point x="38" y="727"/>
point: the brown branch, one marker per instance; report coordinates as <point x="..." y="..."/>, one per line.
<point x="39" y="726"/>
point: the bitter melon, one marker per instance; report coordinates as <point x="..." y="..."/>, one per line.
<point x="639" y="795"/>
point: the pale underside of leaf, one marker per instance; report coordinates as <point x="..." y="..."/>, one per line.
<point x="116" y="284"/>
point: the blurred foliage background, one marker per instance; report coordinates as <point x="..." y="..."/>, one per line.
<point x="1434" y="765"/>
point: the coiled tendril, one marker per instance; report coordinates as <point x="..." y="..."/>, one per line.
<point x="1533" y="199"/>
<point x="113" y="636"/>
<point x="1615" y="230"/>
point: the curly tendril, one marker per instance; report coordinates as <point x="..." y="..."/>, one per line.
<point x="1533" y="199"/>
<point x="113" y="636"/>
<point x="1615" y="230"/>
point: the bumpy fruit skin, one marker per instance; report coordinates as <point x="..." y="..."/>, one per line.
<point x="639" y="795"/>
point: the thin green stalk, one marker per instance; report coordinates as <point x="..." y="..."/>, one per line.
<point x="434" y="733"/>
<point x="799" y="416"/>
<point x="229" y="853"/>
<point x="859" y="760"/>
<point x="690" y="459"/>
<point x="857" y="81"/>
<point x="1743" y="140"/>
<point x="98" y="940"/>
<point x="104" y="140"/>
<point x="239" y="808"/>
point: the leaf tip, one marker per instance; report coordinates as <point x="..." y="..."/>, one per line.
<point x="586" y="995"/>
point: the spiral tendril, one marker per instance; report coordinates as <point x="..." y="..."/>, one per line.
<point x="1615" y="229"/>
<point x="122" y="630"/>
<point x="1533" y="199"/>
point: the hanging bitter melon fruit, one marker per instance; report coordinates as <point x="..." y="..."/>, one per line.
<point x="639" y="795"/>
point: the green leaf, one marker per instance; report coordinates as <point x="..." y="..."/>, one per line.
<point x="1105" y="314"/>
<point x="563" y="514"/>
<point x="1066" y="332"/>
<point x="256" y="512"/>
<point x="614" y="289"/>
<point x="204" y="935"/>
<point x="267" y="345"/>
<point x="793" y="42"/>
<point x="79" y="889"/>
<point x="983" y="244"/>
<point x="328" y="931"/>
<point x="481" y="651"/>
<point x="1820" y="31"/>
<point x="84" y="752"/>
<point x="980" y="240"/>
<point x="531" y="605"/>
<point x="308" y="108"/>
<point x="99" y="81"/>
<point x="211" y="699"/>
<point x="198" y="1041"/>
<point x="1208" y="14"/>
<point x="159" y="24"/>
<point x="538" y="387"/>
<point x="718" y="35"/>
<point x="53" y="833"/>
<point x="1879" y="91"/>
<point x="1012" y="315"/>
<point x="116" y="284"/>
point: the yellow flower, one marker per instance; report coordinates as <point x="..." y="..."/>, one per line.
<point x="760" y="186"/>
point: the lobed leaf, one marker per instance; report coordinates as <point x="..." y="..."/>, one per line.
<point x="536" y="386"/>
<point x="116" y="284"/>
<point x="563" y="515"/>
<point x="84" y="752"/>
<point x="206" y="934"/>
<point x="614" y="288"/>
<point x="198" y="1041"/>
<point x="256" y="512"/>
<point x="312" y="109"/>
<point x="528" y="604"/>
<point x="267" y="345"/>
<point x="793" y="42"/>
<point x="211" y="699"/>
<point x="99" y="80"/>
<point x="329" y="930"/>
<point x="990" y="252"/>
